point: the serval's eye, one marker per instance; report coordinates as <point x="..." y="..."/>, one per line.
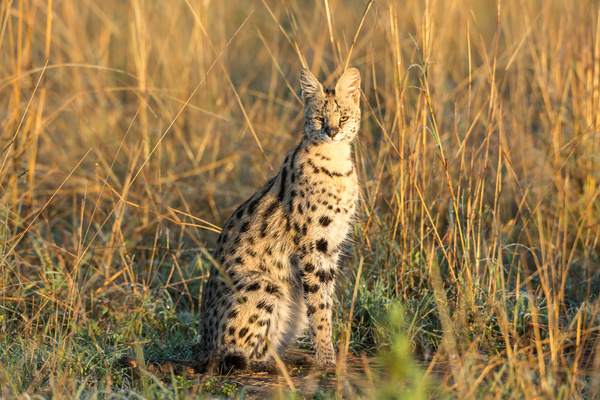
<point x="344" y="119"/>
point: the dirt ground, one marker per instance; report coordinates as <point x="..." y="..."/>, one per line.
<point x="293" y="374"/>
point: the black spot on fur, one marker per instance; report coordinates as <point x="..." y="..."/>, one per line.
<point x="294" y="157"/>
<point x="240" y="213"/>
<point x="253" y="205"/>
<point x="311" y="310"/>
<point x="311" y="288"/>
<point x="325" y="277"/>
<point x="281" y="193"/>
<point x="231" y="330"/>
<point x="270" y="184"/>
<point x="271" y="209"/>
<point x="232" y="314"/>
<point x="239" y="260"/>
<point x="243" y="332"/>
<point x="267" y="307"/>
<point x="315" y="168"/>
<point x="321" y="245"/>
<point x="263" y="229"/>
<point x="325" y="220"/>
<point x="322" y="157"/>
<point x="302" y="250"/>
<point x="272" y="289"/>
<point x="309" y="267"/>
<point x="251" y="253"/>
<point x="245" y="226"/>
<point x="253" y="287"/>
<point x="288" y="226"/>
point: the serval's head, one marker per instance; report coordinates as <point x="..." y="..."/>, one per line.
<point x="331" y="115"/>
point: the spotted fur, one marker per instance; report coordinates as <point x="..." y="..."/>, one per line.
<point x="277" y="256"/>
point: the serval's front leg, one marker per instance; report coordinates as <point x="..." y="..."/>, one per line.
<point x="319" y="276"/>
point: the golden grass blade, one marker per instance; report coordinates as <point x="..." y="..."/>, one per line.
<point x="362" y="20"/>
<point x="18" y="239"/>
<point x="11" y="143"/>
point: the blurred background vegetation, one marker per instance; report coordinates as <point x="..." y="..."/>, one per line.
<point x="130" y="130"/>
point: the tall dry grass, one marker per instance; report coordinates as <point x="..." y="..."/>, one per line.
<point x="131" y="129"/>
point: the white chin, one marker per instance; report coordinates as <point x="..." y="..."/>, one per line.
<point x="335" y="139"/>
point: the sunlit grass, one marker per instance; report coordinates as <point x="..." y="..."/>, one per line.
<point x="130" y="130"/>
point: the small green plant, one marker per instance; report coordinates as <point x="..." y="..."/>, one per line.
<point x="402" y="377"/>
<point x="219" y="387"/>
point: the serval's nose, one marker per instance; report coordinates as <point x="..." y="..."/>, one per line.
<point x="331" y="131"/>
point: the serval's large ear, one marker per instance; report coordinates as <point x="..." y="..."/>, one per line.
<point x="349" y="85"/>
<point x="310" y="85"/>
